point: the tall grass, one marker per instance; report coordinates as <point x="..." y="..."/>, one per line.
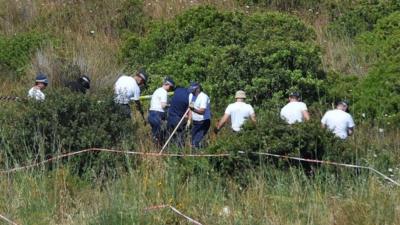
<point x="266" y="195"/>
<point x="271" y="196"/>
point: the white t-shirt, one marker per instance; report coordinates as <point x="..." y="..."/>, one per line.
<point x="202" y="101"/>
<point x="239" y="113"/>
<point x="293" y="112"/>
<point x="158" y="97"/>
<point x="338" y="121"/>
<point x="126" y="90"/>
<point x="36" y="94"/>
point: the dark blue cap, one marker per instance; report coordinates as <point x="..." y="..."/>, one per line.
<point x="344" y="102"/>
<point x="193" y="86"/>
<point x="85" y="81"/>
<point x="169" y="81"/>
<point x="294" y="94"/>
<point x="41" y="78"/>
<point x="141" y="73"/>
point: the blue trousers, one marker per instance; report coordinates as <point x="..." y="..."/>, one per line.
<point x="155" y="119"/>
<point x="199" y="130"/>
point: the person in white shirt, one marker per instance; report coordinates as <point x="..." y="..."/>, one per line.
<point x="41" y="83"/>
<point x="127" y="89"/>
<point x="158" y="104"/>
<point x="237" y="112"/>
<point x="339" y="121"/>
<point x="199" y="104"/>
<point x="295" y="111"/>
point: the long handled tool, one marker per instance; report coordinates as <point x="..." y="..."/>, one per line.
<point x="173" y="132"/>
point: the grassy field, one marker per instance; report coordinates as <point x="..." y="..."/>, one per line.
<point x="86" y="34"/>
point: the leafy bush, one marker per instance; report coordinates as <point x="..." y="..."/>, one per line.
<point x="340" y="87"/>
<point x="67" y="122"/>
<point x="260" y="53"/>
<point x="363" y="16"/>
<point x="272" y="135"/>
<point x="378" y="94"/>
<point x="16" y="51"/>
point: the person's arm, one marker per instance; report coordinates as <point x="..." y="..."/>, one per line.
<point x="323" y="121"/>
<point x="252" y="115"/>
<point x="306" y="115"/>
<point x="253" y="118"/>
<point x="350" y="131"/>
<point x="202" y="108"/>
<point x="189" y="119"/>
<point x="222" y="121"/>
<point x="351" y="125"/>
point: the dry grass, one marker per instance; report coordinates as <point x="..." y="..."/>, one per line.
<point x="160" y="9"/>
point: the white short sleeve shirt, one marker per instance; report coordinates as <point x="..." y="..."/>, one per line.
<point x="36" y="94"/>
<point x="338" y="122"/>
<point x="158" y="97"/>
<point x="202" y="101"/>
<point x="293" y="112"/>
<point x="126" y="89"/>
<point x="239" y="112"/>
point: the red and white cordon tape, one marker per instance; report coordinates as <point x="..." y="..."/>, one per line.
<point x="155" y="154"/>
<point x="327" y="163"/>
<point x="158" y="207"/>
<point x="8" y="220"/>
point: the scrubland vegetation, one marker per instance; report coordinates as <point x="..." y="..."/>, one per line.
<point x="328" y="50"/>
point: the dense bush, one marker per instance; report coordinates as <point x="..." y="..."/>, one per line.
<point x="340" y="87"/>
<point x="260" y="53"/>
<point x="16" y="51"/>
<point x="272" y="135"/>
<point x="363" y="16"/>
<point x="66" y="122"/>
<point x="378" y="95"/>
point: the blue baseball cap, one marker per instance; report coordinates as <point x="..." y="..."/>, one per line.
<point x="294" y="94"/>
<point x="42" y="78"/>
<point x="344" y="102"/>
<point x="193" y="87"/>
<point x="169" y="81"/>
<point x="141" y="73"/>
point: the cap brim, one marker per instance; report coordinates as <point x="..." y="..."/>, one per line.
<point x="143" y="77"/>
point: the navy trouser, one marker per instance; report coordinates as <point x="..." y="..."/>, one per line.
<point x="179" y="136"/>
<point x="199" y="130"/>
<point x="125" y="110"/>
<point x="155" y="119"/>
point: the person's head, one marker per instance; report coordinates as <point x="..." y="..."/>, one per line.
<point x="84" y="81"/>
<point x="141" y="77"/>
<point x="294" y="97"/>
<point x="168" y="84"/>
<point x="240" y="96"/>
<point x="41" y="81"/>
<point x="343" y="105"/>
<point x="194" y="88"/>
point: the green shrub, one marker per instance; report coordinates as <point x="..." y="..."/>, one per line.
<point x="17" y="51"/>
<point x="363" y="16"/>
<point x="260" y="53"/>
<point x="383" y="42"/>
<point x="340" y="87"/>
<point x="67" y="122"/>
<point x="378" y="94"/>
<point x="273" y="135"/>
